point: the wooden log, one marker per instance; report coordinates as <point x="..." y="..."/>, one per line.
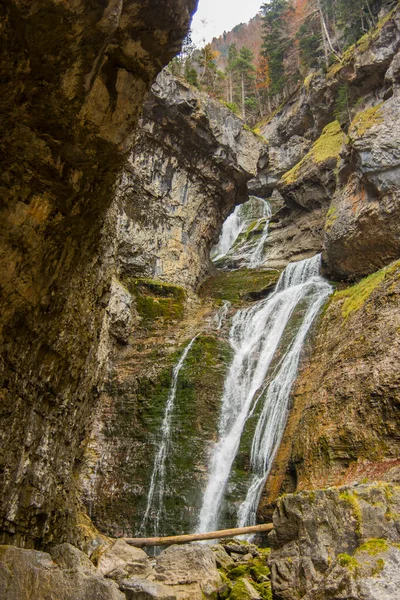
<point x="197" y="537"/>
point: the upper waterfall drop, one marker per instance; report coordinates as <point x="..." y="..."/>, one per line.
<point x="243" y="235"/>
<point x="259" y="383"/>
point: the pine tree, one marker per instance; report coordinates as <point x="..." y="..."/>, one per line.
<point x="276" y="40"/>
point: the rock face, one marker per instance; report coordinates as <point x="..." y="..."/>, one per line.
<point x="343" y="426"/>
<point x="73" y="81"/>
<point x="189" y="168"/>
<point x="359" y="229"/>
<point x="337" y="543"/>
<point x="190" y="165"/>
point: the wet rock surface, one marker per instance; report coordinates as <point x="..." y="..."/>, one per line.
<point x="343" y="426"/>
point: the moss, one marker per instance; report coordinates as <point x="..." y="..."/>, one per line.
<point x="236" y="285"/>
<point x="260" y="573"/>
<point x="373" y="546"/>
<point x="347" y="561"/>
<point x="352" y="499"/>
<point x="308" y="80"/>
<point x="326" y="147"/>
<point x="240" y="591"/>
<point x="366" y="119"/>
<point x="225" y="588"/>
<point x="157" y="300"/>
<point x="330" y="218"/>
<point x="356" y="296"/>
<point x="239" y="571"/>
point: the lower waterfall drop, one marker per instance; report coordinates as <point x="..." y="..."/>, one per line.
<point x="155" y="498"/>
<point x="267" y="339"/>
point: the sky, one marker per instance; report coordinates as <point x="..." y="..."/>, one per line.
<point x="220" y="16"/>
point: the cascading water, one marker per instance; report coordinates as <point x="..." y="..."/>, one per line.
<point x="257" y="336"/>
<point x="155" y="498"/>
<point x="241" y="241"/>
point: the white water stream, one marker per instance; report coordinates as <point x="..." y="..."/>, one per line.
<point x="249" y="252"/>
<point x="255" y="336"/>
<point x="155" y="498"/>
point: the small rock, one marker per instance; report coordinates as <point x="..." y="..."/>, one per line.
<point x="222" y="557"/>
<point x="145" y="590"/>
<point x="121" y="561"/>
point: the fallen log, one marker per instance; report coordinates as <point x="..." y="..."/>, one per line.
<point x="197" y="537"/>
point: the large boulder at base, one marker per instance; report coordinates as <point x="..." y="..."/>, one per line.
<point x="29" y="574"/>
<point x="191" y="570"/>
<point x="121" y="561"/>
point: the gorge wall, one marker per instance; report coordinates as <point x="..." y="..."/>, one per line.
<point x="73" y="80"/>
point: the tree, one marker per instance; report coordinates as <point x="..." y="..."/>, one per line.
<point x="276" y="40"/>
<point x="243" y="66"/>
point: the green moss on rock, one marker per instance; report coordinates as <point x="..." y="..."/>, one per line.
<point x="237" y="286"/>
<point x="365" y="120"/>
<point x="352" y="499"/>
<point x="156" y="300"/>
<point x="330" y="218"/>
<point x="326" y="147"/>
<point x="373" y="546"/>
<point x="356" y="296"/>
<point x="347" y="561"/>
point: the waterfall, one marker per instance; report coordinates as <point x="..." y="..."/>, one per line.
<point x="247" y="217"/>
<point x="222" y="314"/>
<point x="257" y="333"/>
<point x="155" y="496"/>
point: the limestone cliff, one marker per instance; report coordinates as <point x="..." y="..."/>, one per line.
<point x="73" y="80"/>
<point x="189" y="167"/>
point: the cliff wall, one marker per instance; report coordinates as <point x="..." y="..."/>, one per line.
<point x="73" y="80"/>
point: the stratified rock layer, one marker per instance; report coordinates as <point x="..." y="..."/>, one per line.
<point x="73" y="79"/>
<point x="337" y="543"/>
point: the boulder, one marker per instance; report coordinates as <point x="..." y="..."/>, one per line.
<point x="336" y="543"/>
<point x="190" y="569"/>
<point x="146" y="590"/>
<point x="27" y="574"/>
<point x="121" y="561"/>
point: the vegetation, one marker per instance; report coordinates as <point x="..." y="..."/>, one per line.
<point x="296" y="39"/>
<point x="156" y="300"/>
<point x="366" y="119"/>
<point x="373" y="546"/>
<point x="352" y="499"/>
<point x="347" y="561"/>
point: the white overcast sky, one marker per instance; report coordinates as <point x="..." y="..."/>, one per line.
<point x="220" y="16"/>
